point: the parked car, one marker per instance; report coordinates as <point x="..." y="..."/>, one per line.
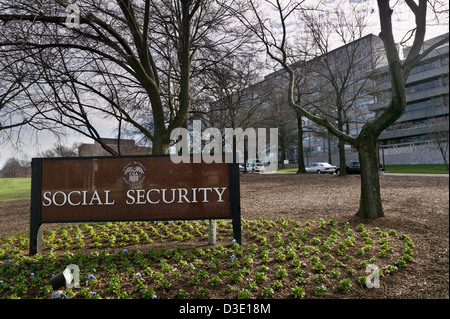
<point x="255" y="167"/>
<point x="351" y="168"/>
<point x="321" y="168"/>
<point x="241" y="168"/>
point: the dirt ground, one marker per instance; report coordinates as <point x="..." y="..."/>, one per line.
<point x="415" y="205"/>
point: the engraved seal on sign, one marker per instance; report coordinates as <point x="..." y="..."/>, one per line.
<point x="134" y="173"/>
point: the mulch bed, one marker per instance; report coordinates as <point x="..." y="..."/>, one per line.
<point x="415" y="205"/>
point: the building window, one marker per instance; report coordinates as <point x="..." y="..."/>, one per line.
<point x="422" y="105"/>
<point x="424" y="67"/>
<point x="363" y="54"/>
<point x="418" y="123"/>
<point x="423" y="86"/>
<point x="364" y="104"/>
<point x="383" y="79"/>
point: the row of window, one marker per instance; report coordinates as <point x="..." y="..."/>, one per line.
<point x="322" y="148"/>
<point x="363" y="54"/>
<point x="418" y="69"/>
<point x="359" y="94"/>
<point x="424" y="67"/>
<point x="383" y="79"/>
<point x="422" y="105"/>
<point x="408" y="139"/>
<point x="387" y="95"/>
<point x="422" y="86"/>
<point x="363" y="67"/>
<point x="418" y="123"/>
<point x="364" y="104"/>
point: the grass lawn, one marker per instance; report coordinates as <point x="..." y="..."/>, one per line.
<point x="14" y="189"/>
<point x="288" y="170"/>
<point x="417" y="169"/>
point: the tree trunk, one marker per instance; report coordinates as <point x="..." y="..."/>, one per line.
<point x="160" y="145"/>
<point x="341" y="146"/>
<point x="300" y="158"/>
<point x="330" y="159"/>
<point x="370" y="200"/>
<point x="282" y="149"/>
<point x="342" y="159"/>
<point x="245" y="153"/>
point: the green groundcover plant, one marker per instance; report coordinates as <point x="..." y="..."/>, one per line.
<point x="172" y="259"/>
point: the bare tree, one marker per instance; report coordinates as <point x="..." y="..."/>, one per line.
<point x="366" y="142"/>
<point x="302" y="97"/>
<point x="308" y="95"/>
<point x="17" y="115"/>
<point x="128" y="62"/>
<point x="60" y="150"/>
<point x="343" y="75"/>
<point x="279" y="114"/>
<point x="14" y="167"/>
<point x="440" y="138"/>
<point x="238" y="100"/>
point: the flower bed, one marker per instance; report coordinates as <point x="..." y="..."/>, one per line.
<point x="278" y="259"/>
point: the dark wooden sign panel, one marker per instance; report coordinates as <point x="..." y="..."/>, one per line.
<point x="131" y="188"/>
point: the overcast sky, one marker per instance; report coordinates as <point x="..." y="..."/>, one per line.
<point x="403" y="20"/>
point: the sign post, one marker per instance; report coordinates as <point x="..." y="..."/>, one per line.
<point x="131" y="188"/>
<point x="212" y="232"/>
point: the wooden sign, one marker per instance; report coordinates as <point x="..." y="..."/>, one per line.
<point x="95" y="189"/>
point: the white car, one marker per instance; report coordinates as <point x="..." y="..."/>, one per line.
<point x="321" y="168"/>
<point x="255" y="167"/>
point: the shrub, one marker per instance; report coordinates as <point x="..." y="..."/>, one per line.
<point x="345" y="285"/>
<point x="298" y="292"/>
